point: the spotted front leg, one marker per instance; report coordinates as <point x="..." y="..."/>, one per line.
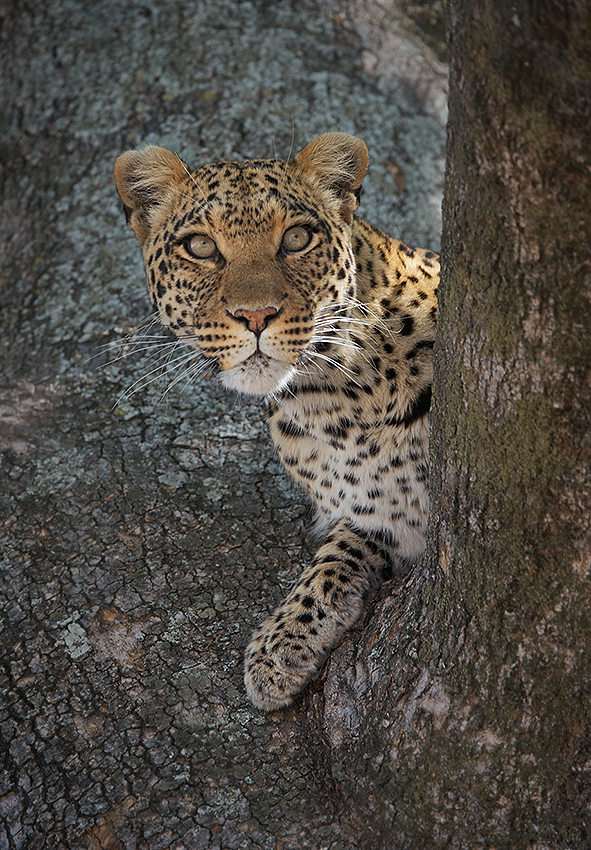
<point x="290" y="647"/>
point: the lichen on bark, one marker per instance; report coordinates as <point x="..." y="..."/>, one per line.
<point x="147" y="529"/>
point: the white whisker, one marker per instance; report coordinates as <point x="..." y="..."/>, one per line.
<point x="287" y="160"/>
<point x="194" y="182"/>
<point x="318" y="356"/>
<point x="355" y="311"/>
<point x="193" y="370"/>
<point x="151" y="376"/>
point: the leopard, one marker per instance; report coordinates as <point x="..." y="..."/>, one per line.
<point x="264" y="270"/>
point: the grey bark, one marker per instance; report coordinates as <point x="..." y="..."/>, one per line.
<point x="470" y="697"/>
<point x="144" y="537"/>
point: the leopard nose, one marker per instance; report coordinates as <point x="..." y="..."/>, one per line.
<point x="256" y="320"/>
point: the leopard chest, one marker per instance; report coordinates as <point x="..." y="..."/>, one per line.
<point x="357" y="466"/>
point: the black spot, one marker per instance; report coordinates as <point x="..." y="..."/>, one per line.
<point x="408" y="324"/>
<point x="328" y="389"/>
<point x="363" y="510"/>
<point x="339" y="429"/>
<point x="351" y="393"/>
<point x="290" y="429"/>
<point x="418" y="408"/>
<point x="414" y="411"/>
<point x="305" y="618"/>
<point x="424" y="343"/>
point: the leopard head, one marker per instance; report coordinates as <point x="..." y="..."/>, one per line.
<point x="249" y="262"/>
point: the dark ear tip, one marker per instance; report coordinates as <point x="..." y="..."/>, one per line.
<point x="338" y="160"/>
<point x="128" y="212"/>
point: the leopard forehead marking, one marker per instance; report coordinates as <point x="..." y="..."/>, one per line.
<point x="245" y="201"/>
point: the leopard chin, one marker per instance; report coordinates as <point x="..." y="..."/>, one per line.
<point x="258" y="375"/>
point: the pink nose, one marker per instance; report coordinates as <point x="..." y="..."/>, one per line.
<point x="256" y="319"/>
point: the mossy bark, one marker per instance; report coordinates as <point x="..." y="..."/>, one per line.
<point x="474" y="683"/>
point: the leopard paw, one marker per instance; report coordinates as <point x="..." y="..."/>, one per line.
<point x="279" y="664"/>
<point x="288" y="650"/>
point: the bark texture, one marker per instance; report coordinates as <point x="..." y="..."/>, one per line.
<point x="142" y="538"/>
<point x="470" y="702"/>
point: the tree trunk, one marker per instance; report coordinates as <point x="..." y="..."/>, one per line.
<point x="474" y="683"/>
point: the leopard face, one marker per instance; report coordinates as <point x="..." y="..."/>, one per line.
<point x="251" y="263"/>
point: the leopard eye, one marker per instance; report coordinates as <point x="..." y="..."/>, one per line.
<point x="296" y="238"/>
<point x="200" y="246"/>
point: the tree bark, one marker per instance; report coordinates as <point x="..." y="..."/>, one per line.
<point x="145" y="528"/>
<point x="473" y="685"/>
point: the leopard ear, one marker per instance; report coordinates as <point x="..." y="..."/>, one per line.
<point x="338" y="161"/>
<point x="147" y="181"/>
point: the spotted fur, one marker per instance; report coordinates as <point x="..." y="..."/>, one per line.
<point x="263" y="269"/>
